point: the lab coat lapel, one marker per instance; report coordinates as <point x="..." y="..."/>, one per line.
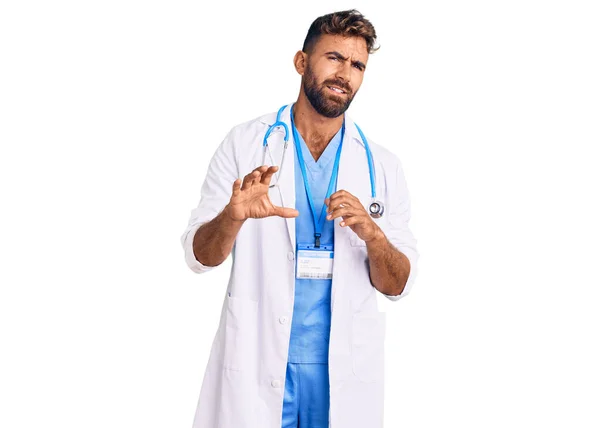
<point x="353" y="176"/>
<point x="286" y="183"/>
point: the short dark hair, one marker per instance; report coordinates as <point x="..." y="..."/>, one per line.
<point x="346" y="23"/>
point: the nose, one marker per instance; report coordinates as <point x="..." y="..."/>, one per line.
<point x="343" y="71"/>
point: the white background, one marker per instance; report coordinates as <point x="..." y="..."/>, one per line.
<point x="110" y="112"/>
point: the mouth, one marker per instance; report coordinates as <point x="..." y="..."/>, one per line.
<point x="336" y="90"/>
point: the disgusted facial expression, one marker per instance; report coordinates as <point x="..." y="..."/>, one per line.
<point x="333" y="73"/>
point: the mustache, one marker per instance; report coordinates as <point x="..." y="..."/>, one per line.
<point x="340" y="84"/>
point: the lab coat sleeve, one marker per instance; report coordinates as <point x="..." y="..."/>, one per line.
<point x="398" y="232"/>
<point x="215" y="195"/>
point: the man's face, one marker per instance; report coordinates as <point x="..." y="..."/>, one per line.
<point x="334" y="72"/>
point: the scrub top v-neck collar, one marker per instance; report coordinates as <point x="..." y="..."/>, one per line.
<point x="326" y="157"/>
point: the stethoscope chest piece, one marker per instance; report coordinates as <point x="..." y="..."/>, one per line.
<point x="376" y="209"/>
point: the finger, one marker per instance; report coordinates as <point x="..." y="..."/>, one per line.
<point x="256" y="179"/>
<point x="236" y="186"/>
<point x="337" y="193"/>
<point x="342" y="192"/>
<point x="286" y="212"/>
<point x="337" y="196"/>
<point x="332" y="196"/>
<point x="261" y="170"/>
<point x="266" y="177"/>
<point x="343" y="212"/>
<point x="352" y="220"/>
<point x="341" y="201"/>
<point x="250" y="178"/>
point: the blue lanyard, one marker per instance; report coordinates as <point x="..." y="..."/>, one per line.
<point x="318" y="225"/>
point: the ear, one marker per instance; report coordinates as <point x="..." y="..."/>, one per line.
<point x="300" y="62"/>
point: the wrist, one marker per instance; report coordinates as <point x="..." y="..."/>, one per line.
<point x="378" y="237"/>
<point x="228" y="216"/>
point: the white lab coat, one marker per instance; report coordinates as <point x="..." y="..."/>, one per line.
<point x="243" y="385"/>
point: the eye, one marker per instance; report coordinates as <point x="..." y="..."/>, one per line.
<point x="335" y="58"/>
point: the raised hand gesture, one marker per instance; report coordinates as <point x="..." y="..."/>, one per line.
<point x="252" y="199"/>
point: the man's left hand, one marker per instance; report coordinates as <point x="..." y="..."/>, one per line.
<point x="347" y="206"/>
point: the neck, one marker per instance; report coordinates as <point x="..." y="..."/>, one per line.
<point x="316" y="130"/>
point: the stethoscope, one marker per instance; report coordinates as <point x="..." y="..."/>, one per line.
<point x="376" y="207"/>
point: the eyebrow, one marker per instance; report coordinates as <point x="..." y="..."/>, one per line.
<point x="340" y="56"/>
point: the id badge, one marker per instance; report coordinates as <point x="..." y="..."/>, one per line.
<point x="314" y="263"/>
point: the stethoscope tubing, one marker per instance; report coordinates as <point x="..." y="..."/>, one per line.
<point x="376" y="208"/>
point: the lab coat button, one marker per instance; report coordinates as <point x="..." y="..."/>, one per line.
<point x="275" y="383"/>
<point x="282" y="320"/>
<point x="291" y="255"/>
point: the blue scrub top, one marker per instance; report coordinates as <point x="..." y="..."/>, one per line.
<point x="311" y="320"/>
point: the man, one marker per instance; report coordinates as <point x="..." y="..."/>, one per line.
<point x="300" y="339"/>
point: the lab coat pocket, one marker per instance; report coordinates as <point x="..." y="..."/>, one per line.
<point x="241" y="336"/>
<point x="368" y="334"/>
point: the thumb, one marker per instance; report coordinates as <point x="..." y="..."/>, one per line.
<point x="286" y="212"/>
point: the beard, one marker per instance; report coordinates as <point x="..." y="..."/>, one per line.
<point x="322" y="100"/>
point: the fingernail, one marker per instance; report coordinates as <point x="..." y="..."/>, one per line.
<point x="342" y="224"/>
<point x="329" y="216"/>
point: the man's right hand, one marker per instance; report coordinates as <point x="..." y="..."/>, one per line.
<point x="252" y="199"/>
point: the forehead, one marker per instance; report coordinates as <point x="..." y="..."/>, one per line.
<point x="352" y="47"/>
